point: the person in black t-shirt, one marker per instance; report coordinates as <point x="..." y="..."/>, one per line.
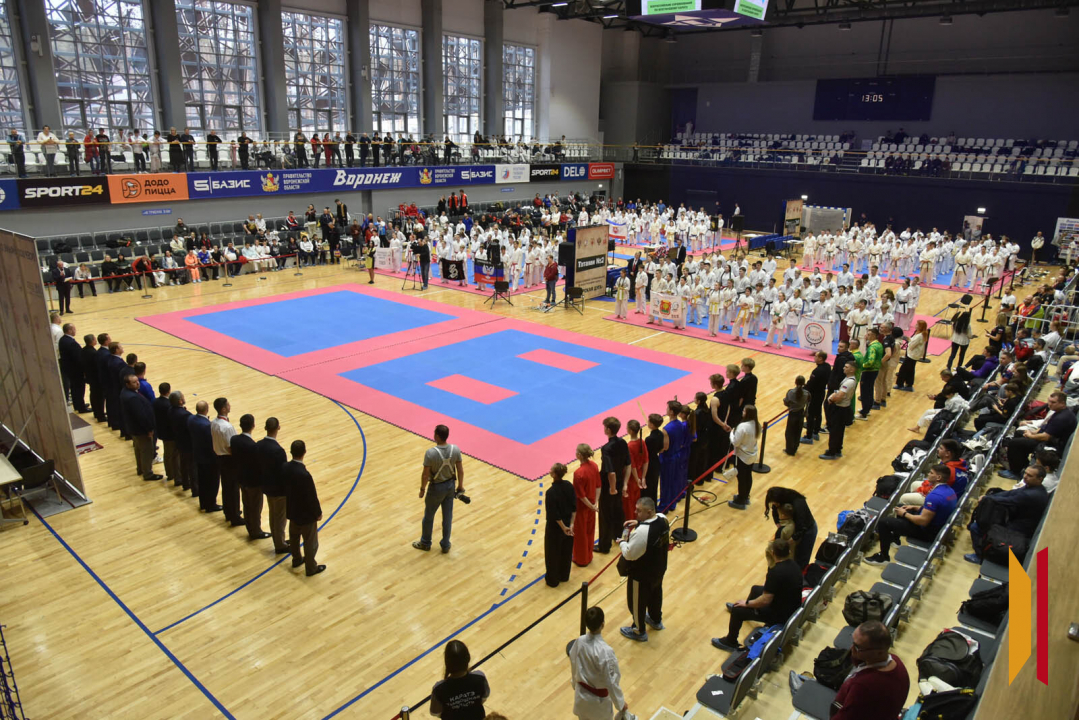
<point x="459" y="695"/>
<point x="1055" y="432"/>
<point x="561" y="503"/>
<point x="654" y="444"/>
<point x="771" y="604"/>
<point x="613" y="474"/>
<point x="747" y="386"/>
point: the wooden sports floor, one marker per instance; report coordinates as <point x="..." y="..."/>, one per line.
<point x="91" y="603"/>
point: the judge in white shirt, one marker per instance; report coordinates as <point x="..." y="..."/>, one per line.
<point x="597" y="691"/>
<point x="50" y="145"/>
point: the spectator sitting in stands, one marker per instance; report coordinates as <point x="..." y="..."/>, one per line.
<point x="1049" y="460"/>
<point x="921" y="523"/>
<point x="877" y="687"/>
<point x="773" y="603"/>
<point x="983" y="366"/>
<point x="950" y="454"/>
<point x="1054" y="431"/>
<point x="1024" y="506"/>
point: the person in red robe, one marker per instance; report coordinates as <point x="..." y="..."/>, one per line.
<point x="638" y="460"/>
<point x="586" y="487"/>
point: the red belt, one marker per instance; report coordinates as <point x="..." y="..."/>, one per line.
<point x="595" y="691"/>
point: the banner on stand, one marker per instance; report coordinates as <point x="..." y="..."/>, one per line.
<point x="668" y="307"/>
<point x="815" y="335"/>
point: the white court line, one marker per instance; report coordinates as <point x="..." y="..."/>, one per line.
<point x="645" y="338"/>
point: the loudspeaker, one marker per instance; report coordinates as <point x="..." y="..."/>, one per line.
<point x="738" y="223"/>
<point x="502" y="286"/>
<point x="567" y="251"/>
<point x="610" y="244"/>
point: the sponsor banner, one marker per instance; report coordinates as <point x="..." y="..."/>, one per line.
<point x="591" y="260"/>
<point x="157" y="211"/>
<point x="601" y="171"/>
<point x="618" y="230"/>
<point x="53" y="192"/>
<point x="254" y="182"/>
<point x="384" y="259"/>
<point x="815" y="335"/>
<point x="668" y="307"/>
<point x="545" y="172"/>
<point x="517" y="173"/>
<point x="452" y="269"/>
<point x="488" y="274"/>
<point x="156" y="187"/>
<point x="9" y="195"/>
<point x="574" y="171"/>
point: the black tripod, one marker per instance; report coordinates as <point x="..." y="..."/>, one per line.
<point x="500" y="289"/>
<point x="412" y="272"/>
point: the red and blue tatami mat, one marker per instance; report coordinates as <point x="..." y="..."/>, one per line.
<point x="515" y="394"/>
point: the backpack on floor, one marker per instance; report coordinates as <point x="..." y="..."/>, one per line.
<point x="989" y="513"/>
<point x="999" y="540"/>
<point x="887" y="485"/>
<point x="947" y="705"/>
<point x="831" y="667"/>
<point x="831" y="549"/>
<point x="852" y="522"/>
<point x="953" y="657"/>
<point x="755" y="643"/>
<point x="988" y="605"/>
<point x="861" y="606"/>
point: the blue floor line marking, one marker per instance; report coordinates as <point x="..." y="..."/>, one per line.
<point x="142" y="626"/>
<point x="519" y="565"/>
<point x="355" y="482"/>
<point x="431" y="649"/>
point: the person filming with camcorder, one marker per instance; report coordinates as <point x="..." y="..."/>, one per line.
<point x="442" y="481"/>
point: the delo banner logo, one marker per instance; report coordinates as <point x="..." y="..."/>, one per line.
<point x="575" y="171"/>
<point x="357" y="180"/>
<point x="51" y="192"/>
<point x="601" y="171"/>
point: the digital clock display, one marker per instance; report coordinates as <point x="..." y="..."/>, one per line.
<point x="908" y="98"/>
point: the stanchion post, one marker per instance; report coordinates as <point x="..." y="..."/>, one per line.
<point x="985" y="302"/>
<point x="406" y="714"/>
<point x="584" y="604"/>
<point x="685" y="534"/>
<point x="759" y="466"/>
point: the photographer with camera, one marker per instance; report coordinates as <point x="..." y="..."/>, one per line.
<point x="421" y="251"/>
<point x="443" y="471"/>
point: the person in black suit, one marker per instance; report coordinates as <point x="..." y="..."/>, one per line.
<point x="632" y="269"/>
<point x="139" y="424"/>
<point x="680" y="256"/>
<point x="89" y="355"/>
<point x="181" y="435"/>
<point x="112" y="383"/>
<point x="747" y="386"/>
<point x="245" y="457"/>
<point x="60" y="279"/>
<point x="202" y="451"/>
<point x="302" y="509"/>
<point x="163" y="432"/>
<point x="103" y="355"/>
<point x="71" y="367"/>
<point x="271" y="462"/>
<point x="213" y="142"/>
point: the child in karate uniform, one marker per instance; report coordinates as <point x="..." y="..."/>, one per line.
<point x="777" y="323"/>
<point x="714" y="312"/>
<point x="794" y="317"/>
<point x="744" y="318"/>
<point x="642" y="288"/>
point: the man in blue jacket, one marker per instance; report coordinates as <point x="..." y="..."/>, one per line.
<point x="202" y="450"/>
<point x="1024" y="508"/>
<point x="139" y="425"/>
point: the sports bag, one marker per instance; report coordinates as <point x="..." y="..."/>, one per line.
<point x="988" y="605"/>
<point x="813" y="574"/>
<point x="953" y="657"/>
<point x="947" y="705"/>
<point x="831" y="549"/>
<point x="999" y="540"/>
<point x="887" y="485"/>
<point x="852" y="522"/>
<point x="861" y="606"/>
<point x="754" y="646"/>
<point x="831" y="667"/>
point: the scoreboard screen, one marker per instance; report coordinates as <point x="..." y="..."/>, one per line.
<point x="698" y="14"/>
<point x="908" y="98"/>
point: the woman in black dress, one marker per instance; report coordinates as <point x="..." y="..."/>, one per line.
<point x="561" y="502"/>
<point x="796" y="400"/>
<point x="700" y="452"/>
<point x="728" y="407"/>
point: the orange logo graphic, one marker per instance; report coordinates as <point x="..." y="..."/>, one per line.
<point x="1019" y="614"/>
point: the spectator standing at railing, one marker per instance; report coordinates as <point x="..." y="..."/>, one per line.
<point x="316" y="150"/>
<point x="73" y="150"/>
<point x="17" y="152"/>
<point x="213" y="142"/>
<point x="155" y="144"/>
<point x="92" y="152"/>
<point x="188" y="142"/>
<point x="176" y="150"/>
<point x="49" y="144"/>
<point x="244" y="150"/>
<point x="350" y="153"/>
<point x="365" y="148"/>
<point x="104" y="143"/>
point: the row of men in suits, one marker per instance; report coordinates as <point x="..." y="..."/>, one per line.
<point x="200" y="455"/>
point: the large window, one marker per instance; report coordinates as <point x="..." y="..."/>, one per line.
<point x="519" y="90"/>
<point x="395" y="79"/>
<point x="462" y="76"/>
<point x="219" y="65"/>
<point x="102" y="64"/>
<point x="11" y="104"/>
<point x="315" y="71"/>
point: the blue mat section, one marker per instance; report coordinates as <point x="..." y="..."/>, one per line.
<point x="303" y="325"/>
<point x="549" y="399"/>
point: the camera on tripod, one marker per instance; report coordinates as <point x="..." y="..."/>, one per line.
<point x="462" y="497"/>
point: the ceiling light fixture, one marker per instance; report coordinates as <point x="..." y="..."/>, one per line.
<point x="563" y="4"/>
<point x="609" y="17"/>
